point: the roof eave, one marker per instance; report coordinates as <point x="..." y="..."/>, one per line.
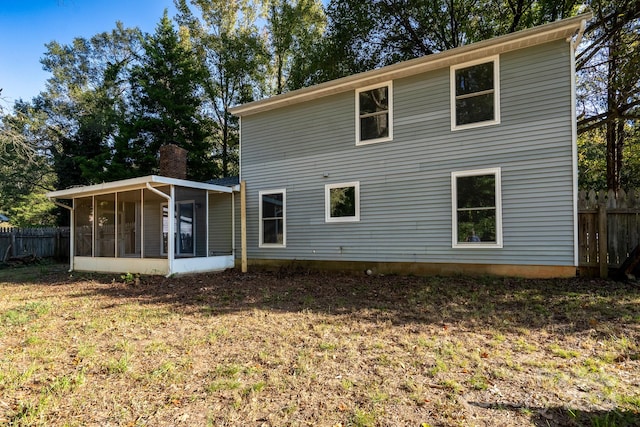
<point x="133" y="184"/>
<point x="558" y="30"/>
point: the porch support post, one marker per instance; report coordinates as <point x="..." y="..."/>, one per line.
<point x="72" y="234"/>
<point x="206" y="223"/>
<point x="243" y="224"/>
<point x="171" y="244"/>
<point x="142" y="223"/>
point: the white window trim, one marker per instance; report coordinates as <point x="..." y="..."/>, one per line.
<point x="496" y="92"/>
<point x="327" y="202"/>
<point x="389" y="86"/>
<point x="497" y="172"/>
<point x="261" y="243"/>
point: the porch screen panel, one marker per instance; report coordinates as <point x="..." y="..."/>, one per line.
<point x="152" y="213"/>
<point x="105" y="225"/>
<point x="83" y="232"/>
<point x="129" y="224"/>
<point x="193" y="226"/>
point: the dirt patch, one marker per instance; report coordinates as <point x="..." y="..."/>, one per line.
<point x="302" y="348"/>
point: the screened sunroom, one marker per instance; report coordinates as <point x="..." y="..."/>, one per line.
<point x="150" y="225"/>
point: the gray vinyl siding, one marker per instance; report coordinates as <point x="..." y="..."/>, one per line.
<point x="405" y="184"/>
<point x="220" y="224"/>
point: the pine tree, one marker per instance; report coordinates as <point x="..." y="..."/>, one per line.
<point x="166" y="106"/>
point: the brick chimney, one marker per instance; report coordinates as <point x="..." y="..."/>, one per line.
<point x="173" y="161"/>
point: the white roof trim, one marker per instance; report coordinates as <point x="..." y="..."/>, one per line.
<point x="564" y="29"/>
<point x="134" y="184"/>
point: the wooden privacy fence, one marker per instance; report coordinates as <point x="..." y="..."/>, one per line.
<point x="42" y="242"/>
<point x="608" y="229"/>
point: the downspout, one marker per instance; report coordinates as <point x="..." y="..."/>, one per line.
<point x="574" y="42"/>
<point x="71" y="231"/>
<point x="171" y="231"/>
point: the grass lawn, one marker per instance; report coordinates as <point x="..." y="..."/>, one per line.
<point x="300" y="349"/>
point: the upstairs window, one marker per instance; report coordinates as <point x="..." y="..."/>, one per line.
<point x="475" y="94"/>
<point x="374" y="117"/>
<point x="273" y="218"/>
<point x="342" y="202"/>
<point x="477" y="211"/>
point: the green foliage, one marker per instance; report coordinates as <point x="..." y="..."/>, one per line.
<point x="85" y="102"/>
<point x="113" y="99"/>
<point x="24" y="166"/>
<point x="33" y="209"/>
<point x="364" y="35"/>
<point x="227" y="42"/>
<point x="592" y="160"/>
<point x="294" y="28"/>
<point x="165" y="105"/>
<point x="608" y="82"/>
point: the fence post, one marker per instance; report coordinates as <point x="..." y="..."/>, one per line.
<point x="14" y="251"/>
<point x="603" y="241"/>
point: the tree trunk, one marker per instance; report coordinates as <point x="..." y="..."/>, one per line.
<point x="225" y="146"/>
<point x="615" y="126"/>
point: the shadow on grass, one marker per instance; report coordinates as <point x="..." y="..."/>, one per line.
<point x="44" y="271"/>
<point x="561" y="417"/>
<point x="567" y="305"/>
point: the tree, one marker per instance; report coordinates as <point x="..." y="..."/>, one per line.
<point x="293" y="27"/>
<point x="365" y="35"/>
<point x="25" y="168"/>
<point x="85" y="102"/>
<point x="609" y="97"/>
<point x="226" y="41"/>
<point x="166" y="106"/>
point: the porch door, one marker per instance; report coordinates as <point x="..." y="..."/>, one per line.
<point x="185" y="228"/>
<point x="129" y="214"/>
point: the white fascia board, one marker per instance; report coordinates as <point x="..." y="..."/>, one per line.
<point x="190" y="184"/>
<point x="133" y="184"/>
<point x="530" y="37"/>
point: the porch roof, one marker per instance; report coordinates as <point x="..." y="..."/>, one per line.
<point x="134" y="184"/>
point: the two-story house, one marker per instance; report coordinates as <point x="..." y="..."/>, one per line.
<point x="463" y="161"/>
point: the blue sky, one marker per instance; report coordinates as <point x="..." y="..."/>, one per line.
<point x="27" y="25"/>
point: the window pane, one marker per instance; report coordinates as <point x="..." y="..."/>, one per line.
<point x="272" y="205"/>
<point x="476" y="191"/>
<point x="477" y="226"/>
<point x="373" y="127"/>
<point x="474" y="79"/>
<point x="374" y="100"/>
<point x="272" y="231"/>
<point x="475" y="109"/>
<point x="343" y="202"/>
